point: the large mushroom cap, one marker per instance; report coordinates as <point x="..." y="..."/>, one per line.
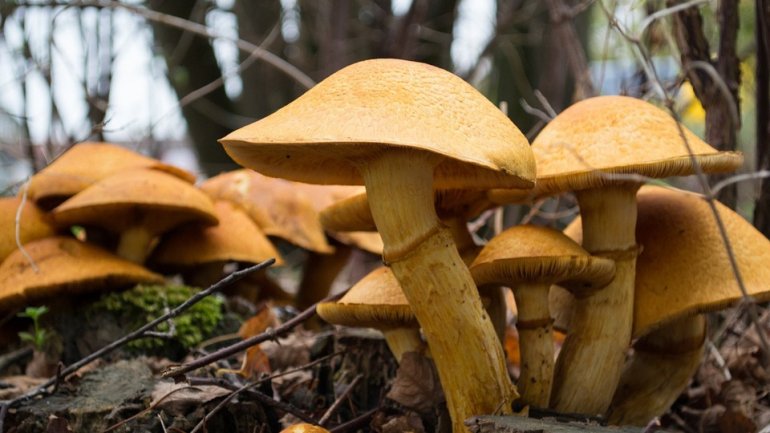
<point x="615" y="135"/>
<point x="375" y="105"/>
<point x="529" y="253"/>
<point x="86" y="163"/>
<point x="683" y="268"/>
<point x="65" y="266"/>
<point x="137" y="197"/>
<point x="376" y="301"/>
<point x="33" y="224"/>
<point x="235" y="239"/>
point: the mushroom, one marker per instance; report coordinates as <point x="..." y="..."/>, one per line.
<point x="402" y="129"/>
<point x="683" y="271"/>
<point x="86" y="163"/>
<point x="304" y="428"/>
<point x="59" y="265"/>
<point x="454" y="208"/>
<point x="583" y="150"/>
<point x="202" y="251"/>
<point x="139" y="204"/>
<point x="377" y="302"/>
<point x="33" y="224"/>
<point x="529" y="259"/>
<point x="289" y="211"/>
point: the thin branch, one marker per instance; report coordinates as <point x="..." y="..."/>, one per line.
<point x="192" y="27"/>
<point x="139" y="333"/>
<point x="333" y="408"/>
<point x="176" y="372"/>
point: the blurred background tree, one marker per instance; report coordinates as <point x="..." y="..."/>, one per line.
<point x="167" y="77"/>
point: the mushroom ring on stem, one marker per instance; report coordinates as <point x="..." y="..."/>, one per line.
<point x="404" y="129"/>
<point x="598" y="148"/>
<point x="529" y="259"/>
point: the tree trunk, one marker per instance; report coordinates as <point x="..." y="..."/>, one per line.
<point x="762" y="29"/>
<point x="192" y="65"/>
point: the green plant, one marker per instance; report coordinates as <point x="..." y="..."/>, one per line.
<point x="143" y="303"/>
<point x="38" y="335"/>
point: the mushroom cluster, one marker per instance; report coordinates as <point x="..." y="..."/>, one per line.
<point x="433" y="153"/>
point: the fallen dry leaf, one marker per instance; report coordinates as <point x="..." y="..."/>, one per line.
<point x="417" y="385"/>
<point x="177" y="399"/>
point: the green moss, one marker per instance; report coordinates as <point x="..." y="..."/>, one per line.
<point x="134" y="308"/>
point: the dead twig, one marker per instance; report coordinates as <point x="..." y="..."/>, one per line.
<point x="139" y="333"/>
<point x="176" y="372"/>
<point x="333" y="408"/>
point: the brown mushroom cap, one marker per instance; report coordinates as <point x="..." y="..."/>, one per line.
<point x="376" y="301"/>
<point x="353" y="213"/>
<point x="614" y="135"/>
<point x="145" y="197"/>
<point x="33" y="224"/>
<point x="86" y="163"/>
<point x="529" y="253"/>
<point x="66" y="266"/>
<point x="374" y="105"/>
<point x="235" y="239"/>
<point x="683" y="269"/>
<point x="288" y="210"/>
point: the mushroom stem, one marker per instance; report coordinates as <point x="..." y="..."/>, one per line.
<point x="135" y="243"/>
<point x="594" y="351"/>
<point x="438" y="285"/>
<point x="663" y="363"/>
<point x="468" y="250"/>
<point x="402" y="340"/>
<point x="535" y="329"/>
<point x="320" y="272"/>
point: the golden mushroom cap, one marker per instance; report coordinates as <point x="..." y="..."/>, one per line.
<point x="65" y="266"/>
<point x="353" y="213"/>
<point x="375" y="105"/>
<point x="304" y="428"/>
<point x="376" y="301"/>
<point x="145" y="197"/>
<point x="86" y="163"/>
<point x="288" y="210"/>
<point x="33" y="224"/>
<point x="683" y="268"/>
<point x="614" y="135"/>
<point x="534" y="254"/>
<point x="235" y="239"/>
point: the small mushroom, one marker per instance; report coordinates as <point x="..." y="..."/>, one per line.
<point x="86" y="163"/>
<point x="202" y="251"/>
<point x="683" y="271"/>
<point x="377" y="302"/>
<point x="586" y="149"/>
<point x="529" y="259"/>
<point x="404" y="129"/>
<point x="139" y="205"/>
<point x="59" y="265"/>
<point x="33" y="224"/>
<point x="304" y="428"/>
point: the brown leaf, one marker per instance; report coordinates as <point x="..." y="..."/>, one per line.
<point x="409" y="423"/>
<point x="417" y="384"/>
<point x="255" y="363"/>
<point x="177" y="399"/>
<point x="57" y="425"/>
<point x="512" y="346"/>
<point x="736" y="422"/>
<point x="258" y="323"/>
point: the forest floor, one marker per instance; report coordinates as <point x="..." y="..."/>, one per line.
<point x="341" y="378"/>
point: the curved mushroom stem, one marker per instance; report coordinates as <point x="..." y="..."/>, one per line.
<point x="402" y="340"/>
<point x="320" y="272"/>
<point x="593" y="353"/>
<point x="535" y="329"/>
<point x="135" y="243"/>
<point x="663" y="363"/>
<point x="468" y="249"/>
<point x="438" y="285"/>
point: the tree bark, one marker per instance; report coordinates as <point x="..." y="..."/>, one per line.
<point x="191" y="65"/>
<point x="762" y="29"/>
<point x="721" y="128"/>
